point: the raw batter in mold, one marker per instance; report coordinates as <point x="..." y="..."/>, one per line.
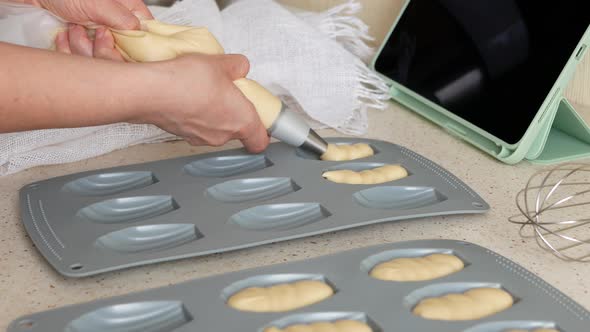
<point x="370" y="176"/>
<point x="159" y="41"/>
<point x="343" y="152"/>
<point x="417" y="268"/>
<point x="474" y="304"/>
<point x="337" y="326"/>
<point x="281" y="297"/>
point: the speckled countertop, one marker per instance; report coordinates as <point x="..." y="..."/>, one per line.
<point x="28" y="284"/>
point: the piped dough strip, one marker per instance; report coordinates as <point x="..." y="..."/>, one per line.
<point x="281" y="297"/>
<point x="376" y="175"/>
<point x="343" y="152"/>
<point x="336" y="326"/>
<point x="417" y="268"/>
<point x="474" y="304"/>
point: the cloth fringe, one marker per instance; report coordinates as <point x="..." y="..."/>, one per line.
<point x="341" y="24"/>
<point x="371" y="93"/>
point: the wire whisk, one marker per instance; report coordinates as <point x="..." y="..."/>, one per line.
<point x="554" y="210"/>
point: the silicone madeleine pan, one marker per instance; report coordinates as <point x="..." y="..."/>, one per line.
<point x="105" y="220"/>
<point x="384" y="306"/>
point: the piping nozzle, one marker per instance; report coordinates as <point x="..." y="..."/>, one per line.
<point x="291" y="129"/>
<point x="281" y="123"/>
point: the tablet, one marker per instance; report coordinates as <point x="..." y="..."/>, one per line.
<point x="492" y="63"/>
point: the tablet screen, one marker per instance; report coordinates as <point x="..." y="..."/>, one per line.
<point x="490" y="62"/>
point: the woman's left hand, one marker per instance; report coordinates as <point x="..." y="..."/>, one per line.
<point x="99" y="14"/>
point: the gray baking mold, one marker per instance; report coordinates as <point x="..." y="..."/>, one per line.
<point x="514" y="325"/>
<point x="321" y="317"/>
<point x="279" y="216"/>
<point x="148" y="237"/>
<point x="225" y="166"/>
<point x="201" y="304"/>
<point x="104" y="220"/>
<point x="126" y="209"/>
<point x="437" y="290"/>
<point x="354" y="166"/>
<point x="245" y="190"/>
<point x="269" y="280"/>
<point x="370" y="262"/>
<point x="155" y="316"/>
<point x="398" y="198"/>
<point x="110" y="183"/>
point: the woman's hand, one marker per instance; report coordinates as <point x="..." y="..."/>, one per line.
<point x="99" y="14"/>
<point x="192" y="96"/>
<point x="195" y="98"/>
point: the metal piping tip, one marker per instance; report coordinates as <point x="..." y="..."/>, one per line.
<point x="314" y="143"/>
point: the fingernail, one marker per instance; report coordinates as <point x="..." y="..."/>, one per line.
<point x="140" y="16"/>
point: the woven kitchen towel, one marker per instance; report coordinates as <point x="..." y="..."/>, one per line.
<point x="312" y="60"/>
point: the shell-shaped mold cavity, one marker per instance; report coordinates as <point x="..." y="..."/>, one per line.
<point x="225" y="166"/>
<point x="357" y="167"/>
<point x="156" y="316"/>
<point x="110" y="183"/>
<point x="269" y="280"/>
<point x="149" y="237"/>
<point x="398" y="197"/>
<point x="245" y="190"/>
<point x="519" y="325"/>
<point x="310" y="155"/>
<point x="127" y="209"/>
<point x="317" y="317"/>
<point x="279" y="299"/>
<point x="370" y="262"/>
<point x="279" y="216"/>
<point x="442" y="289"/>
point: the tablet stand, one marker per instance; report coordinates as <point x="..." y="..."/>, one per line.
<point x="567" y="137"/>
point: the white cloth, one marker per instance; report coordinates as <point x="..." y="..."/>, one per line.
<point x="311" y="60"/>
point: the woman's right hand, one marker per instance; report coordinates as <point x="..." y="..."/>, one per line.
<point x="195" y="98"/>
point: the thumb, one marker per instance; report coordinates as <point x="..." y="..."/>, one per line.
<point x="111" y="13"/>
<point x="236" y="66"/>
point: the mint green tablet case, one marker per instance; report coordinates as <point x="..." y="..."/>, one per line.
<point x="556" y="134"/>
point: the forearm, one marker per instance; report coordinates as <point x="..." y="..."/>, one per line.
<point x="42" y="89"/>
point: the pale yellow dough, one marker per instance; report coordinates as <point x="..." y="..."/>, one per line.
<point x="417" y="268"/>
<point x="267" y="105"/>
<point x="370" y="176"/>
<point x="160" y="41"/>
<point x="337" y="326"/>
<point x="342" y="152"/>
<point x="281" y="297"/>
<point x="474" y="304"/>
